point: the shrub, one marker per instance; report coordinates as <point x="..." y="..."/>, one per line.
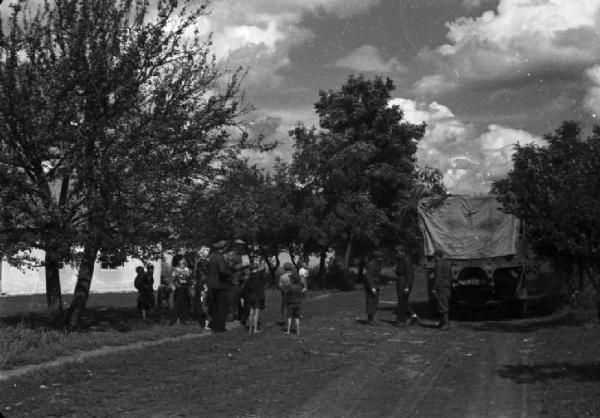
<point x="340" y="278"/>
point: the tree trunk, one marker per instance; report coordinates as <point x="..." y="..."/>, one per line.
<point x="1" y="265"/>
<point x="347" y="255"/>
<point x="82" y="288"/>
<point x="322" y="267"/>
<point x="53" y="290"/>
<point x="594" y="281"/>
<point x="293" y="257"/>
<point x="361" y="268"/>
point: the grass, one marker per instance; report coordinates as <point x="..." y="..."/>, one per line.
<point x="335" y="362"/>
<point x="230" y="374"/>
<point x="110" y="321"/>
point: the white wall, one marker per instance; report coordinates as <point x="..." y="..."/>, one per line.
<point x="30" y="281"/>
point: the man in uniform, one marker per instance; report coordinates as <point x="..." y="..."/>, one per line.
<point x="236" y="267"/>
<point x="218" y="286"/>
<point x="371" y="285"/>
<point x="441" y="289"/>
<point x="404" y="282"/>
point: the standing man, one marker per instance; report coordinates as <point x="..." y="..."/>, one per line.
<point x="441" y="289"/>
<point x="404" y="283"/>
<point x="371" y="285"/>
<point x="218" y="286"/>
<point x="236" y="267"/>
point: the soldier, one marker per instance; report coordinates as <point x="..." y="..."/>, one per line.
<point x="404" y="282"/>
<point x="371" y="285"/>
<point x="236" y="267"/>
<point x="218" y="287"/>
<point x="441" y="289"/>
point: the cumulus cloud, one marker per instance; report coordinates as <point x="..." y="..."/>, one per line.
<point x="471" y="4"/>
<point x="367" y="58"/>
<point x="259" y="34"/>
<point x="274" y="125"/>
<point x="469" y="160"/>
<point x="592" y="98"/>
<point x="522" y="40"/>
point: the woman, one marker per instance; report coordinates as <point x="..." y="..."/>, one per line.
<point x="253" y="295"/>
<point x="143" y="283"/>
<point x="184" y="287"/>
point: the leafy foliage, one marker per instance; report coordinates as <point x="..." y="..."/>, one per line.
<point x="555" y="190"/>
<point x="108" y="115"/>
<point x="359" y="168"/>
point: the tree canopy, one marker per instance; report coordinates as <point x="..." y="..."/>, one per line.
<point x="555" y="190"/>
<point x="360" y="166"/>
<point x="109" y="113"/>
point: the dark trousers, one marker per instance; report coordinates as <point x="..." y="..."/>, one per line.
<point x="234" y="301"/>
<point x="372" y="300"/>
<point x="443" y="300"/>
<point x="283" y="306"/>
<point x="403" y="308"/>
<point x="219" y="309"/>
<point x="181" y="303"/>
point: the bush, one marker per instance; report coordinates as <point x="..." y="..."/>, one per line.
<point x="314" y="282"/>
<point x="340" y="278"/>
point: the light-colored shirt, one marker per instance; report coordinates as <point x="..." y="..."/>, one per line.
<point x="303" y="273"/>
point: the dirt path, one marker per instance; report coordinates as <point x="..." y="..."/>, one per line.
<point x="339" y="367"/>
<point x="411" y="375"/>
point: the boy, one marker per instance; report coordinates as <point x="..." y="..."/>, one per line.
<point x="293" y="298"/>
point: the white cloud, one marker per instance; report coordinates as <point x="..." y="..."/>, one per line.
<point x="471" y="4"/>
<point x="367" y="58"/>
<point x="592" y="98"/>
<point x="522" y="39"/>
<point x="259" y="34"/>
<point x="469" y="160"/>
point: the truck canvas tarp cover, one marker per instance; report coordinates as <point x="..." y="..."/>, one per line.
<point x="465" y="227"/>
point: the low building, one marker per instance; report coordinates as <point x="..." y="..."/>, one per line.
<point x="108" y="277"/>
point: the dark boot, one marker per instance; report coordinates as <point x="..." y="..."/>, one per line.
<point x="444" y="322"/>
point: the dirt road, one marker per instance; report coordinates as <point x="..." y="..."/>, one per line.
<point x="338" y="367"/>
<point x="424" y="372"/>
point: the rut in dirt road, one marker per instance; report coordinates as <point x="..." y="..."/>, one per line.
<point x="470" y="384"/>
<point x="427" y="373"/>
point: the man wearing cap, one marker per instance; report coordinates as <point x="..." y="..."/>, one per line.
<point x="404" y="282"/>
<point x="441" y="289"/>
<point x="371" y="285"/>
<point x="218" y="286"/>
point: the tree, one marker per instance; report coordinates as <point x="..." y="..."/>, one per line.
<point x="359" y="168"/>
<point x="109" y="115"/>
<point x="555" y="191"/>
<point x="244" y="203"/>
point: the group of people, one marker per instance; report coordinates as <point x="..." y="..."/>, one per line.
<point x="219" y="284"/>
<point x="405" y="315"/>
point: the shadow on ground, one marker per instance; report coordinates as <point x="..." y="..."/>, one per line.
<point x="525" y="373"/>
<point x="562" y="318"/>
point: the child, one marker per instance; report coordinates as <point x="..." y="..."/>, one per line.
<point x="253" y="295"/>
<point x="204" y="317"/>
<point x="143" y="283"/>
<point x="293" y="298"/>
<point x="283" y="284"/>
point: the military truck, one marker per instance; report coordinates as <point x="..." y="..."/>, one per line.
<point x="489" y="259"/>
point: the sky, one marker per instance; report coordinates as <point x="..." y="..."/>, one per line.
<point x="483" y="74"/>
